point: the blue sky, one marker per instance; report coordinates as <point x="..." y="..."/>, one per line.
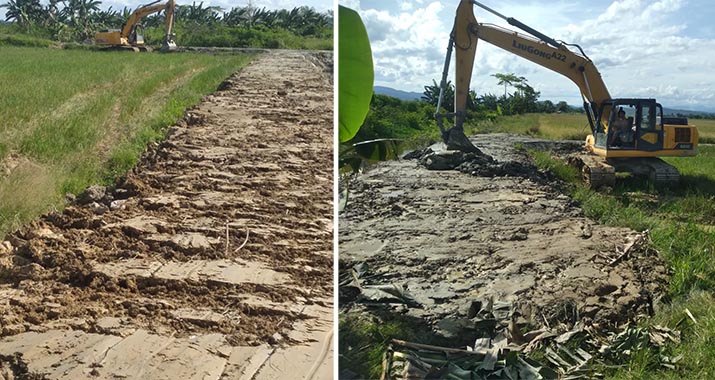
<point x="663" y="49"/>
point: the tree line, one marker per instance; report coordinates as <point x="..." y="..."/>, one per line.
<point x="524" y="98"/>
<point x="390" y="117"/>
<point x="78" y="20"/>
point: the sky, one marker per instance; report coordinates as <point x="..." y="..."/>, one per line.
<point x="662" y="49"/>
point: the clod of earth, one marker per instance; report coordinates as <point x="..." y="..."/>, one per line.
<point x="143" y="279"/>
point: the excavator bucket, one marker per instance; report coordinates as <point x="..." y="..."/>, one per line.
<point x="168" y="46"/>
<point x="466" y="46"/>
<point x="455" y="139"/>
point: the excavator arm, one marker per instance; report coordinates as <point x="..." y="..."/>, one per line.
<point x="145" y="10"/>
<point x="543" y="50"/>
<point x="128" y="38"/>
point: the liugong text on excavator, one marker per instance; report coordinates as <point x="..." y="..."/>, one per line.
<point x="627" y="134"/>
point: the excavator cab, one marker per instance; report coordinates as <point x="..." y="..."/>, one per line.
<point x="627" y="121"/>
<point x="645" y="133"/>
<point x="137" y="36"/>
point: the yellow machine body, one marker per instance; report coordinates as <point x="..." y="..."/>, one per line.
<point x="649" y="133"/>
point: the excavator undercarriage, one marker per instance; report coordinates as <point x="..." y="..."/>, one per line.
<point x="597" y="172"/>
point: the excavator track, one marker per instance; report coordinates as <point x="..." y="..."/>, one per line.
<point x="595" y="171"/>
<point x="653" y="168"/>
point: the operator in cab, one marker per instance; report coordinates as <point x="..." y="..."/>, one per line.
<point x="619" y="128"/>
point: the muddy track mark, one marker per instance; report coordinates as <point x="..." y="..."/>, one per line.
<point x="499" y="231"/>
<point x="222" y="233"/>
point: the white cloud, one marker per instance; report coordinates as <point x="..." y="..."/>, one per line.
<point x="642" y="48"/>
<point x="405" y="5"/>
<point x="352" y="4"/>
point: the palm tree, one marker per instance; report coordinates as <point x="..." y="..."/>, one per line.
<point x="234" y="17"/>
<point x="198" y="14"/>
<point x="431" y="94"/>
<point x="108" y="18"/>
<point x="79" y="14"/>
<point x="508" y="80"/>
<point x="24" y="12"/>
<point x="51" y="15"/>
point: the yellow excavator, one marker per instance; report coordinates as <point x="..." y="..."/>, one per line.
<point x="646" y="135"/>
<point x="129" y="37"/>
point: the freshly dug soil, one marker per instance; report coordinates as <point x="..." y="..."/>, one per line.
<point x="488" y="229"/>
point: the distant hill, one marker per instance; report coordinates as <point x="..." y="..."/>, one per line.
<point x="399" y="94"/>
<point x="406" y="95"/>
<point x="674" y="111"/>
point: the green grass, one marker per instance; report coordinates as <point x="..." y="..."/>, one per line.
<point x="363" y="341"/>
<point x="7" y="39"/>
<point x="681" y="221"/>
<point x="72" y="118"/>
<point x="698" y="347"/>
<point x="564" y="126"/>
<point x="706" y="128"/>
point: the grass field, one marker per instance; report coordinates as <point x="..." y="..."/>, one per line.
<point x="566" y="126"/>
<point x="706" y="128"/>
<point x="71" y="118"/>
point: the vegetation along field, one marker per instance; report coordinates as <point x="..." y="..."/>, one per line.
<point x="74" y="23"/>
<point x="680" y="220"/>
<point x="71" y="118"/>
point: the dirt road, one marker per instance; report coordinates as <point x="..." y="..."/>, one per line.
<point x="500" y="232"/>
<point x="211" y="260"/>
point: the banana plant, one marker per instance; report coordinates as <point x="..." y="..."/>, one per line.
<point x="355" y="89"/>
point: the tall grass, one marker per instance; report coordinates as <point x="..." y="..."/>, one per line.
<point x="706" y="128"/>
<point x="564" y="126"/>
<point x="80" y="117"/>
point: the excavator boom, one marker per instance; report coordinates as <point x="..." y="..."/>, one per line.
<point x="128" y="36"/>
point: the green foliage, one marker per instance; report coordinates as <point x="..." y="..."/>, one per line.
<point x="363" y="341"/>
<point x="218" y="35"/>
<point x="195" y="25"/>
<point x="561" y="169"/>
<point x="682" y="225"/>
<point x="431" y="95"/>
<point x="11" y="36"/>
<point x="355" y="72"/>
<point x="390" y="117"/>
<point x="697" y="347"/>
<point x="508" y="80"/>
